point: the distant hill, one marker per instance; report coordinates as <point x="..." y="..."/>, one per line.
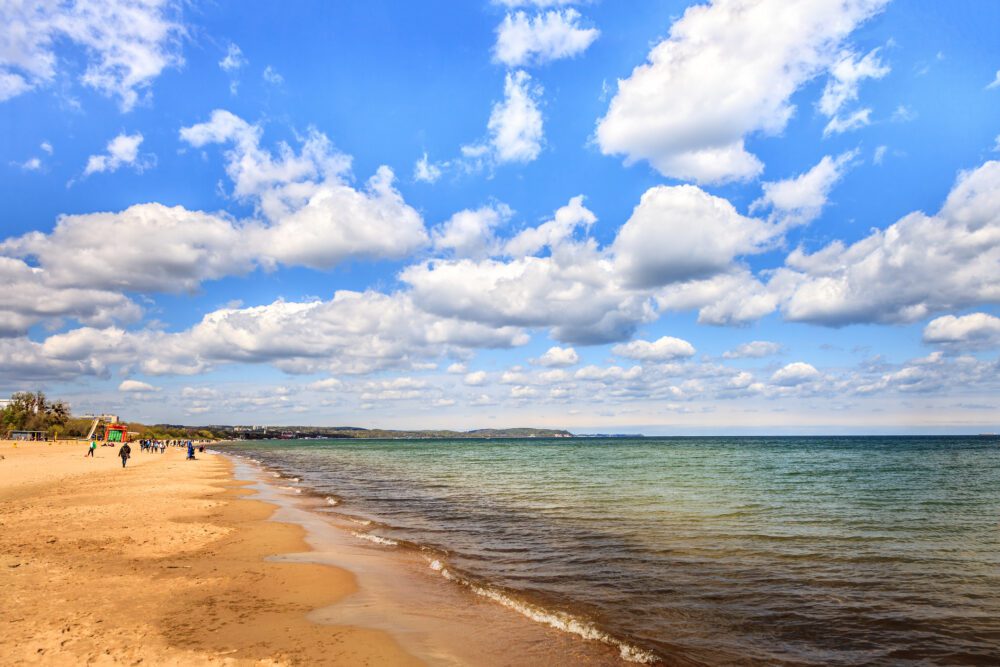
<point x="78" y="426"/>
<point x="304" y="432"/>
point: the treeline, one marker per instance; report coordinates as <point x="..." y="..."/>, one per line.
<point x="352" y="432"/>
<point x="29" y="411"/>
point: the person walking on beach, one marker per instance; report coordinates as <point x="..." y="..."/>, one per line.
<point x="125" y="452"/>
<point x="90" y="450"/>
<point x="190" y="451"/>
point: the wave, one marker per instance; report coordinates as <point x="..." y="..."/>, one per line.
<point x="384" y="541"/>
<point x="555" y="619"/>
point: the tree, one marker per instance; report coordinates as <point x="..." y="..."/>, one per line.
<point x="33" y="412"/>
<point x="57" y="413"/>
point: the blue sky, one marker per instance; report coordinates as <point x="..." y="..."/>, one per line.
<point x="673" y="217"/>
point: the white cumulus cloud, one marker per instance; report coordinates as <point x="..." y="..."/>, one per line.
<point x="157" y="248"/>
<point x="681" y="233"/>
<point x="559" y="357"/>
<point x="795" y="373"/>
<point x="727" y="71"/>
<point x="573" y="292"/>
<point x="662" y="349"/>
<point x="515" y="124"/>
<point x="733" y="297"/>
<point x="538" y="39"/>
<point x="127" y="44"/>
<point x="551" y="233"/>
<point x="470" y="233"/>
<point x="317" y="218"/>
<point x="800" y="199"/>
<point x="32" y="295"/>
<point x="122" y="151"/>
<point x="917" y="266"/>
<point x="475" y="379"/>
<point x="353" y="333"/>
<point x="973" y="331"/>
<point x="136" y="387"/>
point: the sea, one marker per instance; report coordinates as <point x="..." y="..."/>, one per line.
<point x="699" y="550"/>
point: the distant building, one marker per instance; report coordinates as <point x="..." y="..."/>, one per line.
<point x="28" y="436"/>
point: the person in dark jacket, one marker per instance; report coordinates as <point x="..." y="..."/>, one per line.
<point x="125" y="452"/>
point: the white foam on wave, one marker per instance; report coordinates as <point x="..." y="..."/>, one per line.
<point x="290" y="488"/>
<point x="385" y="541"/>
<point x="332" y="501"/>
<point x="554" y="619"/>
<point x="360" y="522"/>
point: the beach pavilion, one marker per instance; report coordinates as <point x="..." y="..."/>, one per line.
<point x="28" y="436"/>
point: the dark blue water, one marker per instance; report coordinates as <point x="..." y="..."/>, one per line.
<point x="822" y="551"/>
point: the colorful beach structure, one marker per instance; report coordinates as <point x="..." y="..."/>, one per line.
<point x="107" y="429"/>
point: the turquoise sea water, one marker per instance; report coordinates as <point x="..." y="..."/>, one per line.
<point x="823" y="551"/>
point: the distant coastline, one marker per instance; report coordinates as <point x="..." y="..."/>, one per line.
<point x="358" y="433"/>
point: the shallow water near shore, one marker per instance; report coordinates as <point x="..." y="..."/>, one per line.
<point x="399" y="594"/>
<point x="829" y="551"/>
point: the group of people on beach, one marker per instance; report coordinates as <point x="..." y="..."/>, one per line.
<point x="152" y="446"/>
<point x="148" y="445"/>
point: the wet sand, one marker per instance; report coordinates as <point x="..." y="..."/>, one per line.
<point x="160" y="563"/>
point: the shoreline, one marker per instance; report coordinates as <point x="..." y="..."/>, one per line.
<point x="407" y="592"/>
<point x="172" y="561"/>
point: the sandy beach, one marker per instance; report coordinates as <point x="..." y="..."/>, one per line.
<point x="160" y="563"/>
